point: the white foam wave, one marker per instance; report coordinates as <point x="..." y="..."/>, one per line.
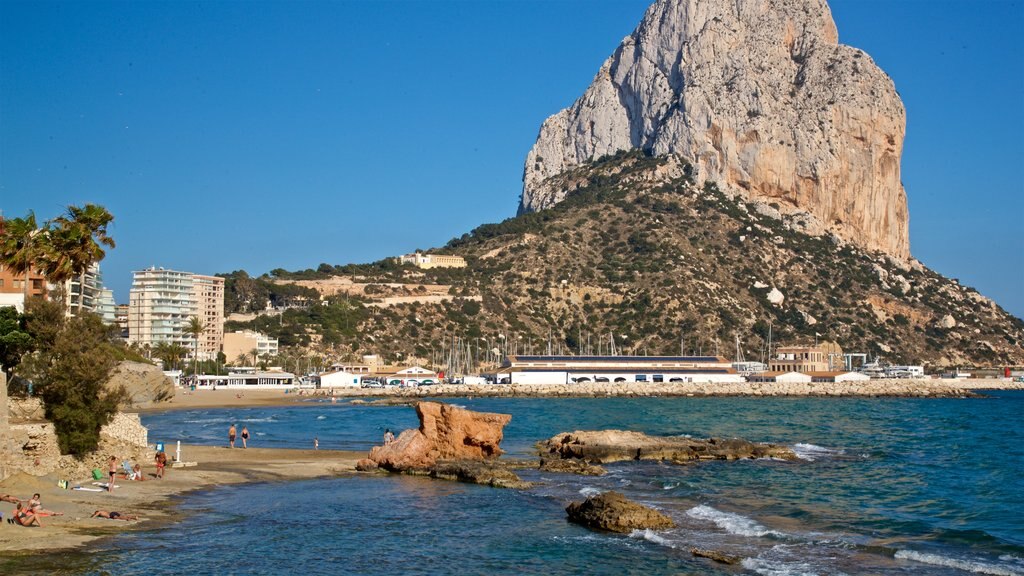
<point x="975" y="566"/>
<point x="589" y="491"/>
<point x="321" y="417"/>
<point x="652" y="536"/>
<point x="731" y="523"/>
<point x="812" y="452"/>
<point x="669" y="486"/>
<point x="772" y="568"/>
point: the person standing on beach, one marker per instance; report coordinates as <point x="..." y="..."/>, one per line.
<point x="112" y="470"/>
<point x="388" y="436"/>
<point x="316" y="443"/>
<point x="231" y="435"/>
<point x="245" y="436"/>
<point x="161" y="462"/>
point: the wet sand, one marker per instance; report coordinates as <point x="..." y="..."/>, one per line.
<point x="149" y="499"/>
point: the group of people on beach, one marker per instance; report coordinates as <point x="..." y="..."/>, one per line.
<point x="232" y="434"/>
<point x="27" y="512"/>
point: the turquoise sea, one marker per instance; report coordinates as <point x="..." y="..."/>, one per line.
<point x="884" y="486"/>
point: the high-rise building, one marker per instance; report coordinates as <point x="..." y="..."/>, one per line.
<point x="162" y="302"/>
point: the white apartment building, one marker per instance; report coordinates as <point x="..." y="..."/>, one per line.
<point x="427" y="261"/>
<point x="162" y="302"/>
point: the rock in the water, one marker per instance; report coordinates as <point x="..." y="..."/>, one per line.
<point x="605" y="446"/>
<point x="485" y="472"/>
<point x="614" y="512"/>
<point x="761" y="97"/>
<point x="571" y="467"/>
<point x="365" y="465"/>
<point x="445" y="433"/>
<point x="715" y="555"/>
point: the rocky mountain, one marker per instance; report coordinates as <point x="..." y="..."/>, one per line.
<point x="639" y="252"/>
<point x="761" y="98"/>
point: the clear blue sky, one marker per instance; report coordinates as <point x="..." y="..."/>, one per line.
<point x="261" y="135"/>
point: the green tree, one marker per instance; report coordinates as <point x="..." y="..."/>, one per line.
<point x="85" y="235"/>
<point x="15" y="341"/>
<point x="171" y="353"/>
<point x="195" y="328"/>
<point x="20" y="245"/>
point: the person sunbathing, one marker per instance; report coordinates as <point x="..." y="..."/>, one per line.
<point x="36" y="506"/>
<point x="25" y="517"/>
<point x="113" y="515"/>
<point x="9" y="498"/>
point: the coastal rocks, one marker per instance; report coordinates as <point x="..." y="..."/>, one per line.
<point x="484" y="472"/>
<point x="145" y="384"/>
<point x="445" y="433"/>
<point x="366" y="465"/>
<point x="573" y="466"/>
<point x="614" y="512"/>
<point x="720" y="557"/>
<point x="606" y="446"/>
<point x="762" y="98"/>
<point x="947" y="322"/>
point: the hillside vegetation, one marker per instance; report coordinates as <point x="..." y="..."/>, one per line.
<point x="641" y="254"/>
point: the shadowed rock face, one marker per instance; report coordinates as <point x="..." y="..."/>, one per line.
<point x="618" y="445"/>
<point x="614" y="512"/>
<point x="445" y="433"/>
<point x="761" y="97"/>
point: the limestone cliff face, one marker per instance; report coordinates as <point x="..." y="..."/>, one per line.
<point x="760" y="95"/>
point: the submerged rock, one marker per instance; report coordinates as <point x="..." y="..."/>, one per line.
<point x="720" y="557"/>
<point x="605" y="446"/>
<point x="446" y="432"/>
<point x="614" y="512"/>
<point x="571" y="467"/>
<point x="485" y="472"/>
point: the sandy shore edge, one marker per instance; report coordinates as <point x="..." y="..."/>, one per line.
<point x="151" y="499"/>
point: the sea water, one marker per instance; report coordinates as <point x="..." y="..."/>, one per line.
<point x="882" y="486"/>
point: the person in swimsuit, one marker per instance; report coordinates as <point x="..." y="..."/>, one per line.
<point x="161" y="462"/>
<point x="388" y="436"/>
<point x="113" y="515"/>
<point x="24" y="516"/>
<point x="35" y="505"/>
<point x="245" y="437"/>
<point x="231" y="435"/>
<point x="9" y="498"/>
<point x="112" y="470"/>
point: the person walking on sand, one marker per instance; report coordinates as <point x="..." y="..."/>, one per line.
<point x="231" y="435"/>
<point x="388" y="436"/>
<point x="316" y="443"/>
<point x="112" y="471"/>
<point x="245" y="436"/>
<point x="161" y="462"/>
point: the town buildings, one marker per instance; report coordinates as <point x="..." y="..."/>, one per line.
<point x="12" y="287"/>
<point x="238" y="346"/>
<point x="580" y="369"/>
<point x="819" y="358"/>
<point x="162" y="302"/>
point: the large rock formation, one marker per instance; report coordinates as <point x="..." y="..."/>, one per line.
<point x="145" y="384"/>
<point x="761" y="97"/>
<point x="446" y="432"/>
<point x="614" y="512"/>
<point x="605" y="446"/>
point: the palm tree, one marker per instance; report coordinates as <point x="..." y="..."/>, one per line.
<point x="195" y="327"/>
<point x="255" y="353"/>
<point x="85" y="234"/>
<point x="19" y="247"/>
<point x="170" y="353"/>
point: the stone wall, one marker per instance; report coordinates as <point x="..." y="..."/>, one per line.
<point x="25" y="409"/>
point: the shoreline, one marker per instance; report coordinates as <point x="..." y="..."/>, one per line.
<point x="155" y="501"/>
<point x="237" y="398"/>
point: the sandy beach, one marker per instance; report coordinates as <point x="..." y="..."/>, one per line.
<point x="215" y="466"/>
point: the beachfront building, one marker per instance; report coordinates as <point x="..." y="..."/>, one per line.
<point x="248" y="380"/>
<point x="819" y="358"/>
<point x="782" y="377"/>
<point x="838" y="376"/>
<point x="121" y="319"/>
<point x="238" y="346"/>
<point x="161" y="303"/>
<point x="643" y="369"/>
<point x="338" y="379"/>
<point x="13" y="287"/>
<point x="426" y="261"/>
<point x="409" y="376"/>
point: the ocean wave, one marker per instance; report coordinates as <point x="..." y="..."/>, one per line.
<point x="732" y="523"/>
<point x="670" y="486"/>
<point x="776" y="568"/>
<point x="966" y="565"/>
<point x="321" y="417"/>
<point x="588" y="491"/>
<point x="812" y="452"/>
<point x="652" y="536"/>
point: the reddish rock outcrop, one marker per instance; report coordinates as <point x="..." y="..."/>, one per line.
<point x="446" y="432"/>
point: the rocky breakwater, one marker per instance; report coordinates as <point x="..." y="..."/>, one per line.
<point x="604" y="446"/>
<point x="451" y="443"/>
<point x="761" y="97"/>
<point x="614" y="512"/>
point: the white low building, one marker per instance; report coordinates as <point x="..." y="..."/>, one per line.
<point x="620" y="369"/>
<point x="253" y="380"/>
<point x="838" y="377"/>
<point x="792" y="377"/>
<point x="337" y="379"/>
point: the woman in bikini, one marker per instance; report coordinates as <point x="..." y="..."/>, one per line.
<point x="35" y="505"/>
<point x="245" y="437"/>
<point x="24" y="516"/>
